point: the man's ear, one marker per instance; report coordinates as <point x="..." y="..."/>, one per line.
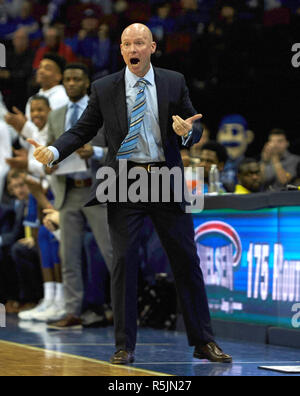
<point x="154" y="46"/>
<point x="250" y="136"/>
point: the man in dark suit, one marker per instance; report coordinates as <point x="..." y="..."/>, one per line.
<point x="155" y="97"/>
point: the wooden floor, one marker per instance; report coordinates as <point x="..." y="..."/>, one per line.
<point x="23" y="360"/>
<point x="29" y="349"/>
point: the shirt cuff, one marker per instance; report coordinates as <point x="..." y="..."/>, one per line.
<point x="98" y="153"/>
<point x="56" y="155"/>
<point x="186" y="139"/>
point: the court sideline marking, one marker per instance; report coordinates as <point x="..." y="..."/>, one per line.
<point x="100" y="362"/>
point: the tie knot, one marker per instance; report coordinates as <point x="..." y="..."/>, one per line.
<point x="142" y="82"/>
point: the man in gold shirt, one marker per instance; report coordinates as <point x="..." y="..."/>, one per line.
<point x="249" y="177"/>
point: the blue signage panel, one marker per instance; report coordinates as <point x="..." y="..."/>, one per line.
<point x="251" y="263"/>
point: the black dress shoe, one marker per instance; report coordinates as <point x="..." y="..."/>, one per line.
<point x="122" y="357"/>
<point x="212" y="352"/>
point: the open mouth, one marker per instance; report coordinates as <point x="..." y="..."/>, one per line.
<point x="134" y="61"/>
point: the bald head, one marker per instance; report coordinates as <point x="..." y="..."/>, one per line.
<point x="137" y="46"/>
<point x="137" y="28"/>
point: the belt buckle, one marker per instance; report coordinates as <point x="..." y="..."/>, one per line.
<point x="149" y="168"/>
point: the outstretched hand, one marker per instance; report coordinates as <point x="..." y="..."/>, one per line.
<point x="41" y="153"/>
<point x="183" y="127"/>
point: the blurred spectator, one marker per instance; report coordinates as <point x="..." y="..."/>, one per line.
<point x="190" y="19"/>
<point x="26" y="19"/>
<point x="249" y="177"/>
<point x="161" y="22"/>
<point x="9" y="9"/>
<point x="52" y="305"/>
<point x="93" y="45"/>
<point x="18" y="71"/>
<point x="36" y="129"/>
<point x="278" y="165"/>
<point x="8" y="287"/>
<point x="235" y="136"/>
<point x="49" y="77"/>
<point x="228" y="47"/>
<point x="212" y="153"/>
<point x="104" y="57"/>
<point x="21" y="245"/>
<point x="53" y="44"/>
<point x="5" y="152"/>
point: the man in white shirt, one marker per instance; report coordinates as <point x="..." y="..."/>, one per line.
<point x="49" y="76"/>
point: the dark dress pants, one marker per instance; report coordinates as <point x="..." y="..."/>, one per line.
<point x="176" y="232"/>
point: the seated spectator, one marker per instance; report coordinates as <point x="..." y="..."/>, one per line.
<point x="14" y="78"/>
<point x="25" y="19"/>
<point x="161" y="22"/>
<point x="190" y="19"/>
<point x="36" y="129"/>
<point x="49" y="77"/>
<point x="82" y="43"/>
<point x="212" y="153"/>
<point x="104" y="57"/>
<point x="9" y="9"/>
<point x="20" y="245"/>
<point x="54" y="45"/>
<point x="8" y="285"/>
<point x="249" y="177"/>
<point x="278" y="165"/>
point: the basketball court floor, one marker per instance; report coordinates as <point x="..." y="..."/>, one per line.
<point x="29" y="349"/>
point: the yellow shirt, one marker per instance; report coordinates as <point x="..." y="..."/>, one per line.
<point x="241" y="190"/>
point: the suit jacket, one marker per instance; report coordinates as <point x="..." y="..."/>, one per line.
<point x="107" y="106"/>
<point x="56" y="127"/>
<point x="11" y="221"/>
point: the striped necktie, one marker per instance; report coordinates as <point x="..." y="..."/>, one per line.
<point x="137" y="115"/>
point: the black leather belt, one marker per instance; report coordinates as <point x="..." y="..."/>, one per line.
<point x="148" y="166"/>
<point x="80" y="183"/>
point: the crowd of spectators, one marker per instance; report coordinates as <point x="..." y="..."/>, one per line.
<point x="217" y="44"/>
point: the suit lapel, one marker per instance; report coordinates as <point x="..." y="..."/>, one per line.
<point x="61" y="121"/>
<point x="119" y="100"/>
<point x="163" y="103"/>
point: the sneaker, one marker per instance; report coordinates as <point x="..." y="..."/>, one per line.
<point x="59" y="314"/>
<point x="69" y="322"/>
<point x="29" y="315"/>
<point x="92" y="319"/>
<point x="53" y="313"/>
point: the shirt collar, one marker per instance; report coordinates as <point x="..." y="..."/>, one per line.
<point x="82" y="103"/>
<point x="132" y="78"/>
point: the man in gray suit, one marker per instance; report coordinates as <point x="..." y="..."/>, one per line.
<point x="71" y="191"/>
